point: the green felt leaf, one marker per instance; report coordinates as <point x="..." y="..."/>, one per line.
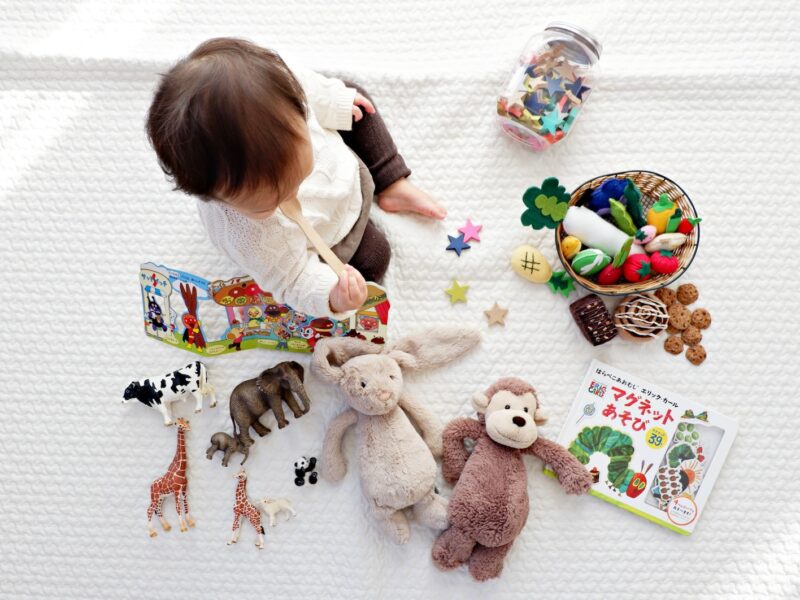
<point x="622" y="255"/>
<point x="561" y="283"/>
<point x="664" y="203"/>
<point x="547" y="205"/>
<point x="621" y="217"/>
<point x="644" y="269"/>
<point x="666" y="253"/>
<point x="634" y="197"/>
<point x="693" y="221"/>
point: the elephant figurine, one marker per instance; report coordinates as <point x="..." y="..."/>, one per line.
<point x="228" y="445"/>
<point x="254" y="397"/>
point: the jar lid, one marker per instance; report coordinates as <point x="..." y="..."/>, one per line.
<point x="584" y="36"/>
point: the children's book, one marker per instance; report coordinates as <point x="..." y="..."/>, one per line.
<point x="221" y="316"/>
<point x="649" y="450"/>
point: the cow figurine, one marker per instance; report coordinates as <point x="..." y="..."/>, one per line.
<point x="161" y="391"/>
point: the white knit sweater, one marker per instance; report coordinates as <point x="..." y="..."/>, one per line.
<point x="274" y="251"/>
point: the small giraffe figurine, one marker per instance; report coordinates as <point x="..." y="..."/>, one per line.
<point x="244" y="508"/>
<point x="172" y="482"/>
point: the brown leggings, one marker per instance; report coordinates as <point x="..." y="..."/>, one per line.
<point x="371" y="141"/>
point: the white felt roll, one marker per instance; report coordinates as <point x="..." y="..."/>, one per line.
<point x="595" y="232"/>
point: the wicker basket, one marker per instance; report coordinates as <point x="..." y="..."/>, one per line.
<point x="652" y="185"/>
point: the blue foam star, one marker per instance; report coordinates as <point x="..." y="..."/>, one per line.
<point x="553" y="85"/>
<point x="457" y="244"/>
<point x="577" y="88"/>
<point x="533" y="104"/>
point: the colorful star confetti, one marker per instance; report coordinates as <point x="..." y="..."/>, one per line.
<point x="551" y="121"/>
<point x="471" y="231"/>
<point x="496" y="315"/>
<point x="576" y="88"/>
<point x="457" y="244"/>
<point x="457" y="292"/>
<point x="553" y="85"/>
<point x="543" y="96"/>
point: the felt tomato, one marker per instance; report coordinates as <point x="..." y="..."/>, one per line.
<point x="664" y="262"/>
<point x="636" y="268"/>
<point x="609" y="275"/>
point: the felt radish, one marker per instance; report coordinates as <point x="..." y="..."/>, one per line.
<point x="636" y="268"/>
<point x="609" y="275"/>
<point x="595" y="232"/>
<point x="664" y="262"/>
<point x="644" y="235"/>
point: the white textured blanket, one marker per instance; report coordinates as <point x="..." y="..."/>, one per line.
<point x="705" y="93"/>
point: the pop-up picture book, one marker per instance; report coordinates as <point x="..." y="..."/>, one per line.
<point x="222" y="316"/>
<point x="650" y="451"/>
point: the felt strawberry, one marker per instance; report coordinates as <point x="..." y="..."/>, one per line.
<point x="636" y="268"/>
<point x="687" y="224"/>
<point x="664" y="262"/>
<point x="609" y="275"/>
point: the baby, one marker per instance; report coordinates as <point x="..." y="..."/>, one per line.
<point x="234" y="126"/>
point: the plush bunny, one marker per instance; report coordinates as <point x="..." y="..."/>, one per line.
<point x="398" y="469"/>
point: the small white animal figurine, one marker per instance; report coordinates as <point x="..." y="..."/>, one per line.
<point x="161" y="391"/>
<point x="274" y="506"/>
<point x="244" y="508"/>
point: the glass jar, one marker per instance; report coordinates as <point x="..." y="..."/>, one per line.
<point x="549" y="85"/>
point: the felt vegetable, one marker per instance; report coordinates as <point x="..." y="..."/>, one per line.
<point x="621" y="217"/>
<point x="674" y="221"/>
<point x="609" y="275"/>
<point x="531" y="264"/>
<point x="666" y="241"/>
<point x="547" y="205"/>
<point x="634" y="197"/>
<point x="570" y="246"/>
<point x="596" y="232"/>
<point x="561" y="283"/>
<point x="636" y="268"/>
<point x="610" y="188"/>
<point x="687" y="224"/>
<point x="664" y="262"/>
<point x="621" y="256"/>
<point x="590" y="261"/>
<point x="659" y="214"/>
<point x="645" y="235"/>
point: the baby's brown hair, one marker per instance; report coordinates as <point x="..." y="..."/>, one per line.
<point x="223" y="120"/>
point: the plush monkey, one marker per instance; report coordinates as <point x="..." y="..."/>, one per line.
<point x="489" y="505"/>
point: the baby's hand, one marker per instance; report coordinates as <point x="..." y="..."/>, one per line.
<point x="350" y="293"/>
<point x="360" y="100"/>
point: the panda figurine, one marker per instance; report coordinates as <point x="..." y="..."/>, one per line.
<point x="303" y="466"/>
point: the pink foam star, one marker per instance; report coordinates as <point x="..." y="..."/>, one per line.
<point x="471" y="231"/>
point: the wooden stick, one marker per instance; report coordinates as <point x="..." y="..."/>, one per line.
<point x="292" y="210"/>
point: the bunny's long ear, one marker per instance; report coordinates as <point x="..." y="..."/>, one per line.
<point x="434" y="347"/>
<point x="331" y="353"/>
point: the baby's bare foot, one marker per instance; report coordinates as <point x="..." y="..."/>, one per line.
<point x="404" y="196"/>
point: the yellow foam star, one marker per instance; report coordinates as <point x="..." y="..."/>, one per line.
<point x="457" y="292"/>
<point x="496" y="315"/>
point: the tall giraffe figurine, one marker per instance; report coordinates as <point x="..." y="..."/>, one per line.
<point x="172" y="482"/>
<point x="244" y="508"/>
